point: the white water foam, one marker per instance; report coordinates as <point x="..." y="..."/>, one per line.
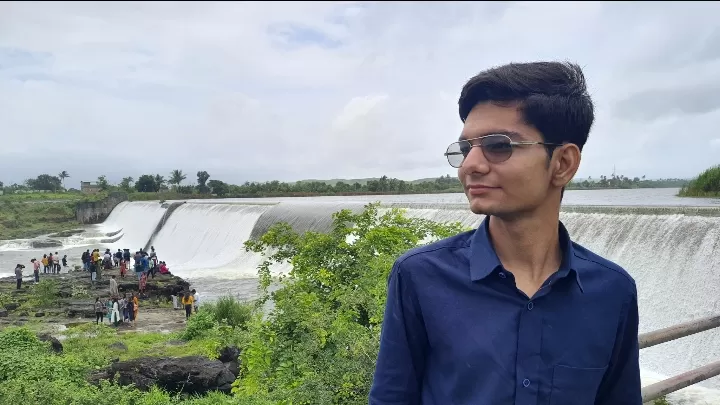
<point x="206" y="240"/>
<point x="137" y="221"/>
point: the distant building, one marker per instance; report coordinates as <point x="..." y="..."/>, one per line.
<point x="89" y="188"/>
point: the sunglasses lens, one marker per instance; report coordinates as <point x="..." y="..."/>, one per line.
<point x="456" y="153"/>
<point x="496" y="148"/>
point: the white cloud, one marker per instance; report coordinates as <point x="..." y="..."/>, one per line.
<point x="260" y="91"/>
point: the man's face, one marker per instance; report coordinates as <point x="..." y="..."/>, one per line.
<point x="516" y="186"/>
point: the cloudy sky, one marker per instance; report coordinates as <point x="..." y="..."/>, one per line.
<point x="289" y="91"/>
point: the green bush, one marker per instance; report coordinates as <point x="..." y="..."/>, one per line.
<point x="707" y="184"/>
<point x="198" y="325"/>
<point x="231" y="311"/>
<point x="319" y="344"/>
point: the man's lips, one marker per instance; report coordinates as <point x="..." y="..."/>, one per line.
<point x="479" y="188"/>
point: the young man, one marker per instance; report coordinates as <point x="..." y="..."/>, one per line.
<point x="513" y="312"/>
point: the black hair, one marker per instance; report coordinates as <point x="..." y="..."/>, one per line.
<point x="551" y="96"/>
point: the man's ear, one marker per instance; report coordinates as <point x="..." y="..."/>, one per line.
<point x="565" y="163"/>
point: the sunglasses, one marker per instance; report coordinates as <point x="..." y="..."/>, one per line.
<point x="496" y="148"/>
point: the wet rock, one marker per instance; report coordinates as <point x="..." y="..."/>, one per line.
<point x="66" y="234"/>
<point x="55" y="344"/>
<point x="228" y="354"/>
<point x="3" y="313"/>
<point x="191" y="374"/>
<point x="39" y="314"/>
<point x="118" y="346"/>
<point x="12" y="306"/>
<point x="45" y="243"/>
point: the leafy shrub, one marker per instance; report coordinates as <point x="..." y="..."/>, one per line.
<point x="319" y="344"/>
<point x="707" y="184"/>
<point x="229" y="310"/>
<point x="198" y="325"/>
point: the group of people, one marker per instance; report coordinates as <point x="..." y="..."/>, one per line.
<point x="50" y="264"/>
<point x="117" y="309"/>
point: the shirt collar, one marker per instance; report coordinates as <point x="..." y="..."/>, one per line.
<point x="484" y="259"/>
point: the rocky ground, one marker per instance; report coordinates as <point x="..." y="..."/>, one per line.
<point x="73" y="301"/>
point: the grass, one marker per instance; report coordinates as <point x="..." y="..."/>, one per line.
<point x="30" y="219"/>
<point x="707" y="184"/>
<point x="55" y="196"/>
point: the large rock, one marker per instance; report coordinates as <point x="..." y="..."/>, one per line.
<point x="55" y="344"/>
<point x="191" y="374"/>
<point x="45" y="243"/>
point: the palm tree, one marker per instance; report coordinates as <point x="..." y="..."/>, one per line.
<point x="176" y="177"/>
<point x="63" y="175"/>
<point x="160" y="181"/>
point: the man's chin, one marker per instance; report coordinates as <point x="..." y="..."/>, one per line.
<point x="481" y="207"/>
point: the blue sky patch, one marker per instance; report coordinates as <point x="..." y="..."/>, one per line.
<point x="293" y="36"/>
<point x="17" y="57"/>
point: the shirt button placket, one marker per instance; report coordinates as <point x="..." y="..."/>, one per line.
<point x="529" y="350"/>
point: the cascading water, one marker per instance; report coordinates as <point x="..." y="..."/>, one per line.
<point x="201" y="240"/>
<point x="137" y="221"/>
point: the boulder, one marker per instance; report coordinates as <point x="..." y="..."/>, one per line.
<point x="55" y="344"/>
<point x="228" y="354"/>
<point x="3" y="313"/>
<point x="191" y="374"/>
<point x="12" y="306"/>
<point x="45" y="243"/>
<point x="118" y="346"/>
<point x="80" y="308"/>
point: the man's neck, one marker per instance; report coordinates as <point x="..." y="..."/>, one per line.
<point x="528" y="247"/>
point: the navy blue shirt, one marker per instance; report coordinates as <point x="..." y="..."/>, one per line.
<point x="457" y="331"/>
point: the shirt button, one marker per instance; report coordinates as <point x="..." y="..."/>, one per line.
<point x="502" y="275"/>
<point x="530" y="306"/>
<point x="526" y="383"/>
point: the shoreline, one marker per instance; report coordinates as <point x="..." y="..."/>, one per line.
<point x="68" y="301"/>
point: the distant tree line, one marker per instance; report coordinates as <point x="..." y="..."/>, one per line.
<point x="204" y="186"/>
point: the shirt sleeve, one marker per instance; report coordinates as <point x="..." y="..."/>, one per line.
<point x="400" y="366"/>
<point x="621" y="384"/>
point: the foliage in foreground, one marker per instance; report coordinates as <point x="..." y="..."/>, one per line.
<point x="707" y="184"/>
<point x="30" y="373"/>
<point x="320" y="342"/>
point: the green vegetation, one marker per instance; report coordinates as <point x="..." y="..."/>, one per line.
<point x="30" y="219"/>
<point x="707" y="184"/>
<point x="622" y="182"/>
<point x="319" y="344"/>
<point x="31" y="373"/>
<point x="157" y="187"/>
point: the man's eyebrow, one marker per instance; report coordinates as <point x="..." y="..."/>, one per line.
<point x="511" y="134"/>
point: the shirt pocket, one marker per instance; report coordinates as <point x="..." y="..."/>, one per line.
<point x="575" y="385"/>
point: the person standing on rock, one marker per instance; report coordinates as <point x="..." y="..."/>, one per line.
<point x="135" y="308"/>
<point x="99" y="311"/>
<point x="196" y="300"/>
<point x="19" y="275"/>
<point x="56" y="263"/>
<point x="143" y="283"/>
<point x="114" y="287"/>
<point x="36" y="270"/>
<point x="187" y="302"/>
<point x="64" y="261"/>
<point x="115" y="315"/>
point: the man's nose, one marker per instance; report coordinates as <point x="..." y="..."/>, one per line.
<point x="475" y="162"/>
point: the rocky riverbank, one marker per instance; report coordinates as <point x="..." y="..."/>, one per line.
<point x="67" y="299"/>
